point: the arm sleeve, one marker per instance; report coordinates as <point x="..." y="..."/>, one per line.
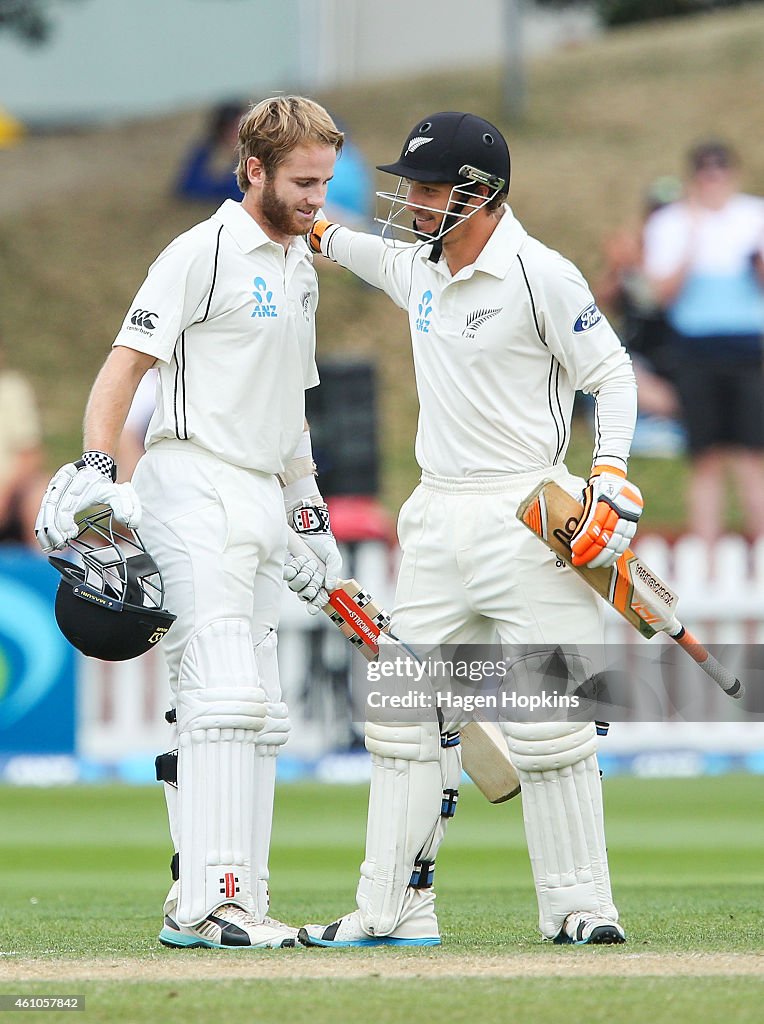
<point x="173" y="296"/>
<point x="580" y="337"/>
<point x="380" y="264"/>
<point x="143" y="405"/>
<point x="615" y="414"/>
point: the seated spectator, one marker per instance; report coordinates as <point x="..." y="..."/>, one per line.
<point x="22" y="477"/>
<point x="208" y="171"/>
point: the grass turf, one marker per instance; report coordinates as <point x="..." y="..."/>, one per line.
<point x="456" y="1000"/>
<point x="83" y="869"/>
<point x="83" y="879"/>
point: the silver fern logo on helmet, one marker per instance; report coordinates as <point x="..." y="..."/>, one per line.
<point x="416" y="142"/>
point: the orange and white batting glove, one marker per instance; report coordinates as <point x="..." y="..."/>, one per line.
<point x="321" y="231"/>
<point x="612" y="507"/>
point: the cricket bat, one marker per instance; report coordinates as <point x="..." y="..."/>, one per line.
<point x="633" y="589"/>
<point x="360" y="619"/>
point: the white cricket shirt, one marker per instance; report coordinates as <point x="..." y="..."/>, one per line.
<point x="499" y="350"/>
<point x="231" y="319"/>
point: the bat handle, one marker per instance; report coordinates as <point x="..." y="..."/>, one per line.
<point x="297" y="546"/>
<point x="721" y="675"/>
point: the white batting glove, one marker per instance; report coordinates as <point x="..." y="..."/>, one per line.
<point x="304" y="578"/>
<point x="76" y="487"/>
<point x="310" y="520"/>
<point x="612" y="507"/>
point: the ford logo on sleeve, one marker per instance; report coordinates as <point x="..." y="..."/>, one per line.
<point x="587" y="319"/>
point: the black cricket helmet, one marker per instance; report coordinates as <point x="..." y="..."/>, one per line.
<point x="110" y="596"/>
<point x="450" y="147"/>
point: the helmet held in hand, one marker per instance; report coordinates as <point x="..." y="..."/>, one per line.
<point x="109" y="602"/>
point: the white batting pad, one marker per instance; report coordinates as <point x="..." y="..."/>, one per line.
<point x="404" y="812"/>
<point x="268" y="742"/>
<point x="220" y="710"/>
<point x="564" y="823"/>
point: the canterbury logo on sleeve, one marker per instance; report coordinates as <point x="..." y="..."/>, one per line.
<point x="144" y="320"/>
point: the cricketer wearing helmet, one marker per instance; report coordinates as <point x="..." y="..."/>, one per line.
<point x="227" y="314"/>
<point x="504" y="332"/>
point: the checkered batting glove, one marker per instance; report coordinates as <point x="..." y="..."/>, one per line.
<point x="612" y="507"/>
<point x="76" y="487"/>
<point x="313" y="580"/>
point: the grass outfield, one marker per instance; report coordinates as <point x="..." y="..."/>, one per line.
<point x="82" y="883"/>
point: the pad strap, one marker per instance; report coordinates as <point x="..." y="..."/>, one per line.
<point x="166" y="766"/>
<point x="423" y="874"/>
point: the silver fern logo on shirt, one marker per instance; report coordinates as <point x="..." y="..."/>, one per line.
<point x="587" y="319"/>
<point x="307" y="307"/>
<point x="263" y="296"/>
<point x="424" y="309"/>
<point x="477" y="318"/>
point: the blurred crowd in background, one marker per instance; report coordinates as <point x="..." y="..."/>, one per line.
<point x="684" y="287"/>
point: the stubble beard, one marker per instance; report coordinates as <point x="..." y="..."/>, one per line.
<point x="278" y="213"/>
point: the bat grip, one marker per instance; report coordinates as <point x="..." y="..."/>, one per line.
<point x="721" y="675"/>
<point x="297" y="546"/>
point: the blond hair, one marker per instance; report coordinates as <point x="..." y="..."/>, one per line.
<point x="272" y="128"/>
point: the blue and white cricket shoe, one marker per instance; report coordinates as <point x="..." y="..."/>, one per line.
<point x="348" y="932"/>
<point x="228" y="927"/>
<point x="584" y="929"/>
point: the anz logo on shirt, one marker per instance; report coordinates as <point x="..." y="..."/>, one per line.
<point x="263" y="296"/>
<point x="424" y="309"/>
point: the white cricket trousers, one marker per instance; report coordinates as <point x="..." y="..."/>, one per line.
<point x="218" y="534"/>
<point x="471" y="572"/>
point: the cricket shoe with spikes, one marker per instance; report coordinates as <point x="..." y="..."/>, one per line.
<point x="228" y="927"/>
<point x="584" y="929"/>
<point x="417" y="926"/>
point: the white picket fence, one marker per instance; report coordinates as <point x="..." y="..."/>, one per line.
<point x="121" y="706"/>
<point x="721" y="601"/>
